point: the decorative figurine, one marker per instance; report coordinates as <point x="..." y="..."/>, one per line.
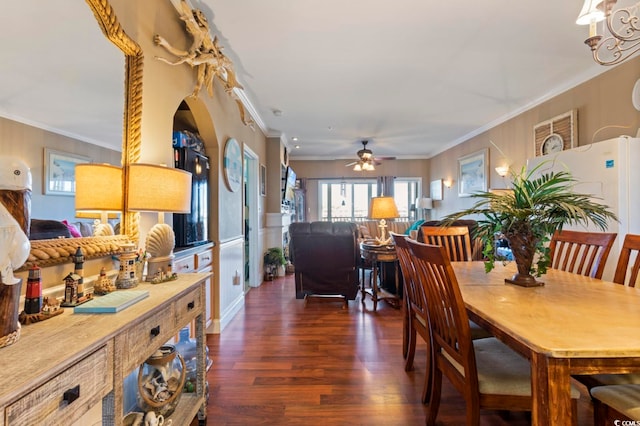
<point x="71" y="289"/>
<point x="104" y="284"/>
<point x="33" y="295"/>
<point x="127" y="274"/>
<point x="78" y="260"/>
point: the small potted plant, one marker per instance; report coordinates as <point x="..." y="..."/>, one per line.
<point x="528" y="215"/>
<point x="273" y="258"/>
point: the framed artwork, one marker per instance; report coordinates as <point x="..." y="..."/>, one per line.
<point x="473" y="172"/>
<point x="232" y="165"/>
<point x="435" y="190"/>
<point x="556" y="134"/>
<point x="263" y="180"/>
<point x="60" y="172"/>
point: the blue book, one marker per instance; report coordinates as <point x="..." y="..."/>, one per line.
<point x="112" y="302"/>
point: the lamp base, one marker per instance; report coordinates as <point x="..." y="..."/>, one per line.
<point x="160" y="269"/>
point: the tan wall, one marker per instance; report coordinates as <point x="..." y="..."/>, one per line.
<point x="165" y="87"/>
<point x="600" y="102"/>
<point x="28" y="144"/>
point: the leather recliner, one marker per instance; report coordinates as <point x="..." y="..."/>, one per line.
<point x="325" y="258"/>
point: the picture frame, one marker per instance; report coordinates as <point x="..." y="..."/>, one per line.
<point x="59" y="172"/>
<point x="473" y="172"/>
<point x="435" y="190"/>
<point x="263" y="180"/>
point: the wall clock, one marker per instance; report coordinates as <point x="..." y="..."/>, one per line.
<point x="562" y="128"/>
<point x="232" y="164"/>
<point x="552" y="144"/>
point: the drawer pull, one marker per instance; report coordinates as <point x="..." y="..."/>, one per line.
<point x="71" y="395"/>
<point x="206" y="258"/>
<point x="191" y="305"/>
<point x="185" y="266"/>
<point x="155" y="331"/>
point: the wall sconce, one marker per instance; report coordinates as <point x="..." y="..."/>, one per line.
<point x="502" y="171"/>
<point x="448" y="183"/>
<point x="383" y="208"/>
<point x="99" y="194"/>
<point x="154" y="188"/>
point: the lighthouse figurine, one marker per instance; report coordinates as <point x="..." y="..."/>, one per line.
<point x="78" y="260"/>
<point x="33" y="295"/>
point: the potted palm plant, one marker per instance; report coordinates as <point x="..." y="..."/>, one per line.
<point x="273" y="258"/>
<point x="528" y="215"/>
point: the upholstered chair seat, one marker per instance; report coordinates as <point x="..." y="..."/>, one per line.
<point x="612" y="401"/>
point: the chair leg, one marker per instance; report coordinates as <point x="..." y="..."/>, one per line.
<point x="405" y="328"/>
<point x="411" y="348"/>
<point x="428" y="372"/>
<point x="434" y="400"/>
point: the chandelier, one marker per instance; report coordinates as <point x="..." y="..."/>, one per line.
<point x="622" y="24"/>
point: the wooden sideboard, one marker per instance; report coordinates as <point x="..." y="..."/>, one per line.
<point x="199" y="259"/>
<point x="62" y="367"/>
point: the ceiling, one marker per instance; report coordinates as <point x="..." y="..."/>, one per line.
<point x="414" y="77"/>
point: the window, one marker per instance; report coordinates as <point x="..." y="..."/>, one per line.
<point x="348" y="200"/>
<point x="405" y="192"/>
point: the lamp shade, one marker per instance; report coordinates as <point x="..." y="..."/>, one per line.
<point x="156" y="188"/>
<point x="425" y="203"/>
<point x="383" y="208"/>
<point x="98" y="189"/>
<point x="590" y="13"/>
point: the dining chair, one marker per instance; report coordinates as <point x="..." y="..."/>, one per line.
<point x="487" y="373"/>
<point x="580" y="252"/>
<point x="455" y="240"/>
<point x="415" y="321"/>
<point x="628" y="263"/>
<point x="616" y="402"/>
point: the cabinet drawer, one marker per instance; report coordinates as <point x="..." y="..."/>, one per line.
<point x="188" y="306"/>
<point x="186" y="264"/>
<point x="204" y="259"/>
<point x="142" y="340"/>
<point x="67" y="396"/>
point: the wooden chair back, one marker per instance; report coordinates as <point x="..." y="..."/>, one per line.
<point x="415" y="293"/>
<point x="448" y="320"/>
<point x="455" y="240"/>
<point x="629" y="261"/>
<point x="583" y="253"/>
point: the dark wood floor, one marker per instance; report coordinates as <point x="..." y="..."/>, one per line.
<point x="280" y="363"/>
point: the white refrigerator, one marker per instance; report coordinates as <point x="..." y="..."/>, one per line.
<point x="610" y="172"/>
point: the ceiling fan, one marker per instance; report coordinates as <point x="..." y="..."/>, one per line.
<point x="366" y="161"/>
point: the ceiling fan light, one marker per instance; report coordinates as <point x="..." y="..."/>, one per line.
<point x="357" y="167"/>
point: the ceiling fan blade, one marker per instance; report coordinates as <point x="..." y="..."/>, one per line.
<point x="351" y="164"/>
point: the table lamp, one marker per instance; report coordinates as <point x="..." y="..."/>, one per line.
<point x="425" y="204"/>
<point x="99" y="194"/>
<point x="155" y="188"/>
<point x="383" y="208"/>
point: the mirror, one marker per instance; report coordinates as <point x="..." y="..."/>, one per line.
<point x="50" y="252"/>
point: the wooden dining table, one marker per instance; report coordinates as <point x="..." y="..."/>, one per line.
<point x="572" y="325"/>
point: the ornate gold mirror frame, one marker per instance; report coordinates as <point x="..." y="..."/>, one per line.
<point x="57" y="251"/>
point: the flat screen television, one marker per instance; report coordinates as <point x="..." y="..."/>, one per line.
<point x="288" y="194"/>
<point x="191" y="229"/>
